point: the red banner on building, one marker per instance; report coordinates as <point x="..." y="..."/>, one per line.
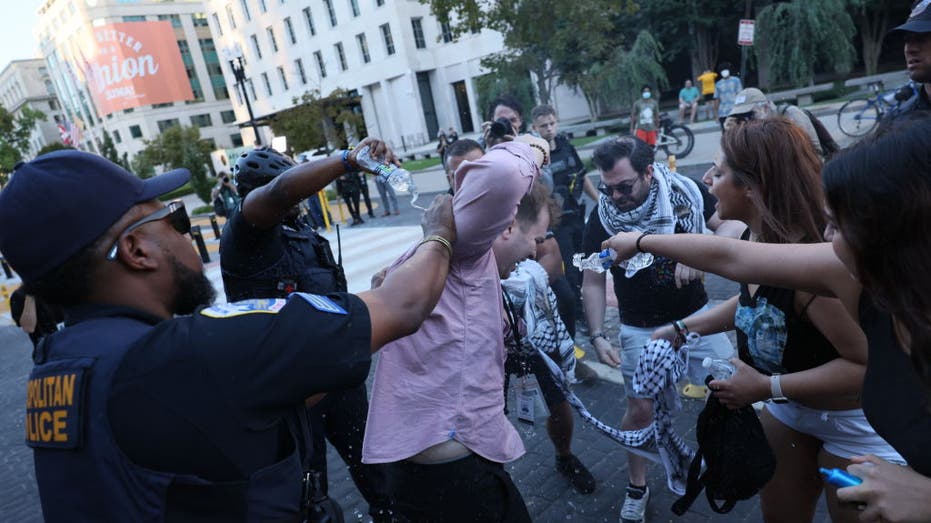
<point x="132" y="64"/>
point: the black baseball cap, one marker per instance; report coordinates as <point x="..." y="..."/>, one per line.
<point x="919" y="21"/>
<point x="61" y="202"/>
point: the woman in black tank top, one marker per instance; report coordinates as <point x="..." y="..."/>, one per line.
<point x="769" y="178"/>
<point x="878" y="262"/>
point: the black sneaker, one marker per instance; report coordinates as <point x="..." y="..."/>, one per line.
<point x="576" y="473"/>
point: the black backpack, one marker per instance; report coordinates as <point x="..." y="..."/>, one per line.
<point x="737" y="456"/>
<point x="828" y="145"/>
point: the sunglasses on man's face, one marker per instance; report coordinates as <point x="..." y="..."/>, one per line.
<point x="174" y="212"/>
<point x="623" y="188"/>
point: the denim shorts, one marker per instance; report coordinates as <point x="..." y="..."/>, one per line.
<point x="845" y="433"/>
<point x="633" y="340"/>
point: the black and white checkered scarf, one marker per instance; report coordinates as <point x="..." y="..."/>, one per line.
<point x="673" y="198"/>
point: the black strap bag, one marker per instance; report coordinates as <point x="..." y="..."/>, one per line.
<point x="738" y="458"/>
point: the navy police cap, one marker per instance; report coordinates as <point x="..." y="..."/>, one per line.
<point x="61" y="202"/>
<point x="919" y="21"/>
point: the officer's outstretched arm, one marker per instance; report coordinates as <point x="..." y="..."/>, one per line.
<point x="266" y="206"/>
<point x="410" y="292"/>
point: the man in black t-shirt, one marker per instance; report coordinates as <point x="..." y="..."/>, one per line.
<point x="639" y="195"/>
<point x="569" y="182"/>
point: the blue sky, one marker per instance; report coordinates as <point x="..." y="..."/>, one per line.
<point x="16" y="39"/>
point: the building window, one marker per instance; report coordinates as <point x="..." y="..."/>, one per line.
<point x="340" y="56"/>
<point x="267" y="83"/>
<point x="289" y="30"/>
<point x="419" y="41"/>
<point x="389" y="42"/>
<point x="209" y="51"/>
<point x="162" y="106"/>
<point x="199" y="19"/>
<point x="116" y="137"/>
<point x="245" y="10"/>
<point x="271" y="39"/>
<point x="321" y="67"/>
<point x="229" y="15"/>
<point x="309" y="18"/>
<point x="283" y="77"/>
<point x="262" y="6"/>
<point x="255" y="46"/>
<point x="227" y="116"/>
<point x="201" y="120"/>
<point x="164" y="125"/>
<point x="216" y="22"/>
<point x="53" y="105"/>
<point x="331" y="12"/>
<point x="354" y="5"/>
<point x="188" y="61"/>
<point x="134" y="18"/>
<point x="174" y="19"/>
<point x="363" y="48"/>
<point x="299" y="67"/>
<point x="379" y="3"/>
<point x="447" y="31"/>
<point x="251" y="89"/>
<point x="236" y="140"/>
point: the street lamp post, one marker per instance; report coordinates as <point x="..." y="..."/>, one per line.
<point x="239" y="72"/>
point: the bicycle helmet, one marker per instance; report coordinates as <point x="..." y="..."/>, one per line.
<point x="257" y="167"/>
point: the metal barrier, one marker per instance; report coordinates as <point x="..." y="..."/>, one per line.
<point x="199" y="240"/>
<point x="216" y="227"/>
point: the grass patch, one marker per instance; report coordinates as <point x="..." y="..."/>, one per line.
<point x="419" y="165"/>
<point x="584" y="140"/>
<point x="203" y="209"/>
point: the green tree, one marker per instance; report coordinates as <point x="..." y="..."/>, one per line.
<point x="54" y="146"/>
<point x="799" y="33"/>
<point x="14" y="137"/>
<point x="108" y="149"/>
<point x="317" y="121"/>
<point x="179" y="147"/>
<point x="509" y="78"/>
<point x="872" y="18"/>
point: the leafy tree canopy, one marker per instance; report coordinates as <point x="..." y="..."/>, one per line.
<point x="178" y="147"/>
<point x="317" y="121"/>
<point x="14" y="137"/>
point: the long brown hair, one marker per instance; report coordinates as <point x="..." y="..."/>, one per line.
<point x="880" y="194"/>
<point x="777" y="161"/>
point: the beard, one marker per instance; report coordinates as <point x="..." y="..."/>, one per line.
<point x="194" y="289"/>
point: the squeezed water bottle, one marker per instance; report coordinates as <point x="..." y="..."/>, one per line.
<point x="597" y="261"/>
<point x="398" y="178"/>
<point x="720" y="368"/>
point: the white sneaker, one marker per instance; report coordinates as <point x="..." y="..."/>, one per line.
<point x="635" y="510"/>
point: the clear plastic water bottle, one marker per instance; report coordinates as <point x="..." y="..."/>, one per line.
<point x="720" y="368"/>
<point x="597" y="261"/>
<point x="398" y="178"/>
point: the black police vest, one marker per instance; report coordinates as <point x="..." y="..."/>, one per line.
<point x="84" y="476"/>
<point x="306" y="266"/>
<point x="568" y="175"/>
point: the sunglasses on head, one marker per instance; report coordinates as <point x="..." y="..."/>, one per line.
<point x="174" y="211"/>
<point x="623" y="188"/>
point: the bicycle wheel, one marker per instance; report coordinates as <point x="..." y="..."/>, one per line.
<point x="858" y="117"/>
<point x="679" y="141"/>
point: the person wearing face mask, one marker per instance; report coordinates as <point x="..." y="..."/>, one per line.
<point x="644" y="116"/>
<point x="725" y="91"/>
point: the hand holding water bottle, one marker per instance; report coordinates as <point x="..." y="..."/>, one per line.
<point x="377" y="158"/>
<point x="746" y="386"/>
<point x="376" y="153"/>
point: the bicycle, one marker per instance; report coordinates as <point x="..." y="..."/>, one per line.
<point x="676" y="139"/>
<point x="860" y="116"/>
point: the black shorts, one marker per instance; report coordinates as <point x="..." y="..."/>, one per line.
<point x="707" y="97"/>
<point x="552" y="394"/>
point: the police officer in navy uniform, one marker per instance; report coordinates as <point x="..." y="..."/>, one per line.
<point x="916" y="96"/>
<point x="148" y="406"/>
<point x="269" y="250"/>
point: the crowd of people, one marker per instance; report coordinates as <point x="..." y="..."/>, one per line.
<point x="153" y="403"/>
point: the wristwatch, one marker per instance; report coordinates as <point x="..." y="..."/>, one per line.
<point x="775" y="390"/>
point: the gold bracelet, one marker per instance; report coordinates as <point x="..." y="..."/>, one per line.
<point x="440" y="239"/>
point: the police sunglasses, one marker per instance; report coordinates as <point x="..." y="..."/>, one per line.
<point x="174" y="211"/>
<point x="623" y="188"/>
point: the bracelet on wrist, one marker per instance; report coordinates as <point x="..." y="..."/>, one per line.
<point x="680" y="327"/>
<point x="640" y="238"/>
<point x="439" y="239"/>
<point x="347" y="163"/>
<point x="595" y="336"/>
